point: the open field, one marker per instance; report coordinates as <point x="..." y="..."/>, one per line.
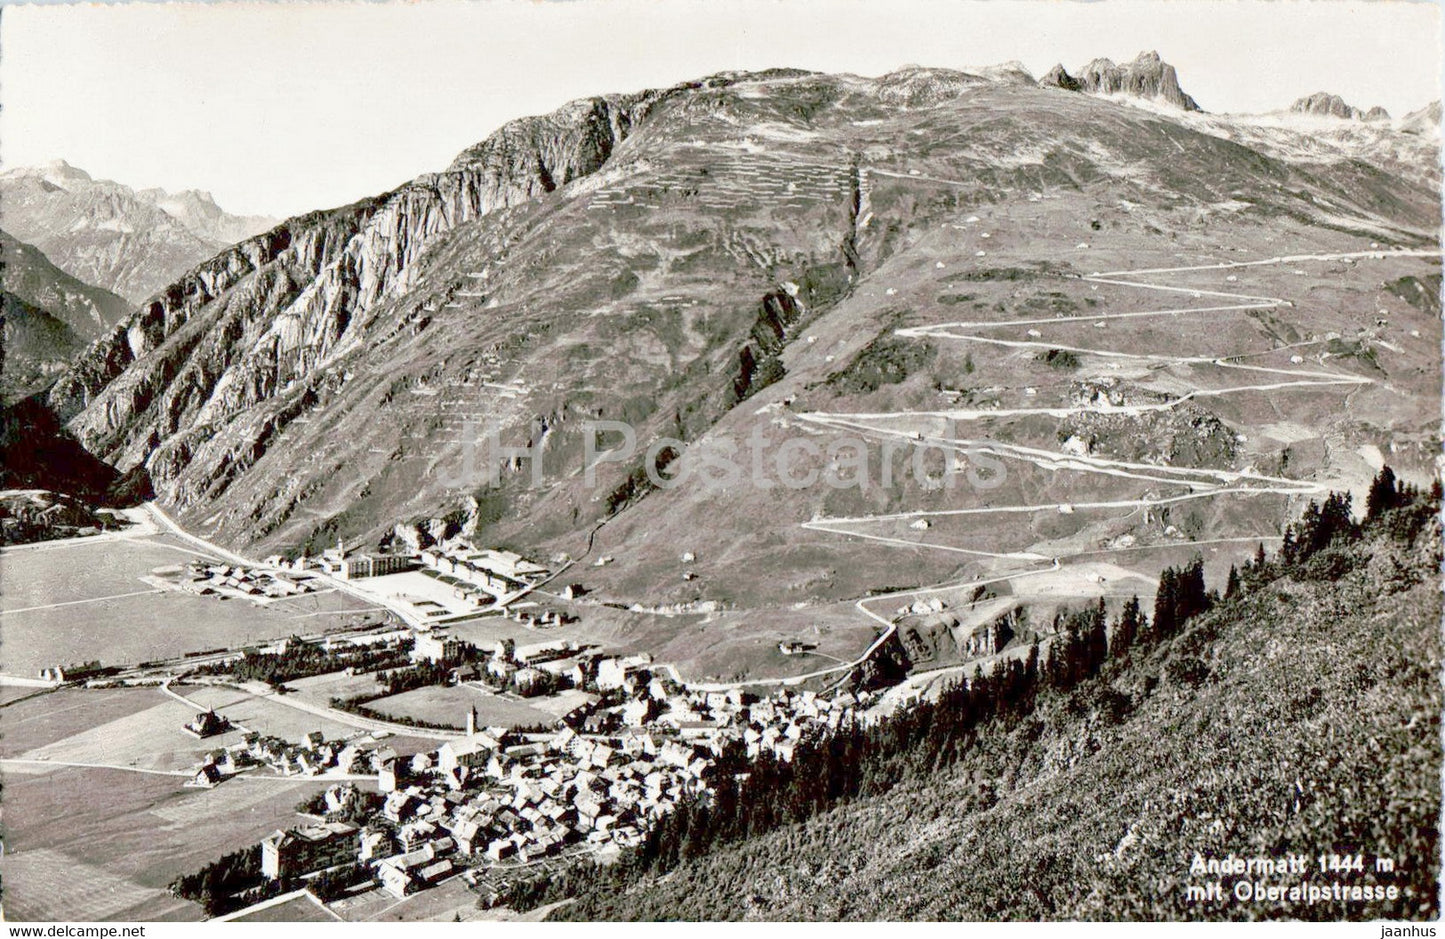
<point x="12" y="693"/>
<point x="46" y="885"/>
<point x="271" y="715"/>
<point x="448" y="705"/>
<point x="320" y="689"/>
<point x="151" y="739"/>
<point x="84" y="570"/>
<point x="46" y="719"/>
<point x="265" y="714"/>
<point x="85" y="600"/>
<point x="129" y="833"/>
<point x="562" y="702"/>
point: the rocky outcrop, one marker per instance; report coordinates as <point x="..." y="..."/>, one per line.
<point x="540" y="154"/>
<point x="1324" y="104"/>
<point x="1058" y="77"/>
<point x="1147" y="77"/>
<point x="32" y="515"/>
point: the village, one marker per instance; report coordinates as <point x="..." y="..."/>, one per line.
<point x="496" y="800"/>
<point x="629" y="742"/>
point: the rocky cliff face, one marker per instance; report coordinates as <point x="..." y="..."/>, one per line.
<point x="1146" y="77"/>
<point x="267" y="312"/>
<point x="105" y="233"/>
<point x="1327" y="105"/>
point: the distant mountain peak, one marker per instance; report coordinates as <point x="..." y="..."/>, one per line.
<point x="55" y="172"/>
<point x="128" y="241"/>
<point x="64" y="168"/>
<point x="1148" y="77"/>
<point x="1331" y="105"/>
<point x="1424" y="121"/>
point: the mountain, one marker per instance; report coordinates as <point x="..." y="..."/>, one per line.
<point x="132" y="243"/>
<point x="774" y="257"/>
<point x="1147" y="77"/>
<point x="1328" y="105"/>
<point x="197" y="210"/>
<point x="49" y="316"/>
<point x="88" y="310"/>
<point x="1425" y="121"/>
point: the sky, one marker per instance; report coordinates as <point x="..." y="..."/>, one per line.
<point x="282" y="108"/>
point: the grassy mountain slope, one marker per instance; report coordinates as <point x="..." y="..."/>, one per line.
<point x="1303" y="716"/>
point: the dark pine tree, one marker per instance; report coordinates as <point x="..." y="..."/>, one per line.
<point x="1127" y="628"/>
<point x="1336" y="520"/>
<point x="1232" y="585"/>
<point x="1192" y="597"/>
<point x="1383" y="496"/>
<point x="1096" y="639"/>
<point x="1166" y="604"/>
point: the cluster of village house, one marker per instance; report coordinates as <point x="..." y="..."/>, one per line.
<point x="494" y="797"/>
<point x="527" y="670"/>
<point x="531" y="669"/>
<point x="202" y="578"/>
<point x="312" y="756"/>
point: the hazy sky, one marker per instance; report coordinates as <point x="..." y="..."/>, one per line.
<point x="279" y="108"/>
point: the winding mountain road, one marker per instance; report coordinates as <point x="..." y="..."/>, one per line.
<point x="1204" y="482"/>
